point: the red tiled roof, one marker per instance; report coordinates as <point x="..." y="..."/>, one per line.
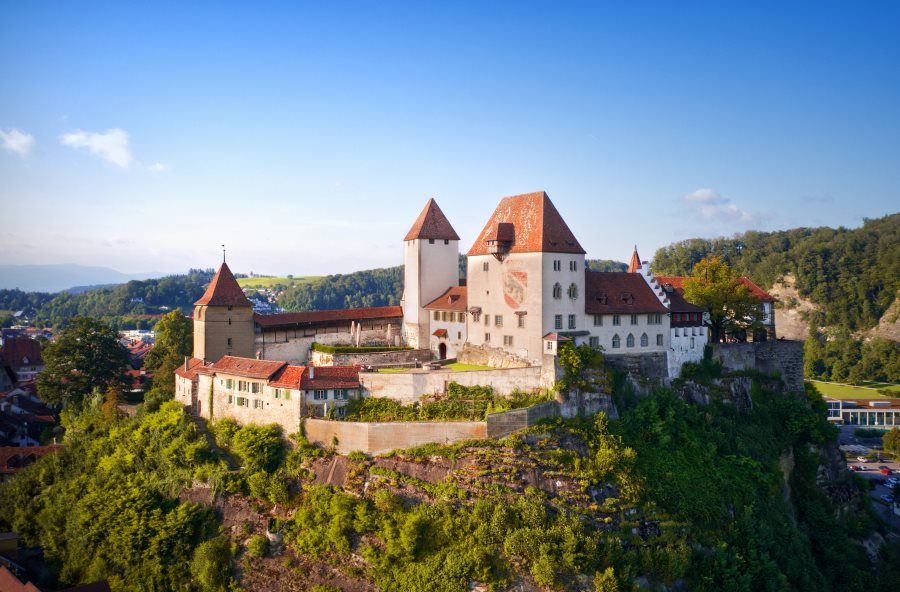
<point x="7" y="453"/>
<point x="16" y="350"/>
<point x="677" y="282"/>
<point x="677" y="303"/>
<point x="536" y="227"/>
<point x="556" y="337"/>
<point x="287" y="377"/>
<point x="224" y="290"/>
<point x="619" y="292"/>
<point x="325" y="316"/>
<point x="330" y="377"/>
<point x="247" y="367"/>
<point x="10" y="583"/>
<point x="635" y="261"/>
<point x="191" y="371"/>
<point x="454" y="298"/>
<point x="440" y="333"/>
<point x="431" y="223"/>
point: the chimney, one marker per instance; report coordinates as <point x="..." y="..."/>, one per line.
<point x="186" y="363"/>
<point x="312" y="372"/>
<point x="258" y="355"/>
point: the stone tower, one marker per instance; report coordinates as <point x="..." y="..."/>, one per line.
<point x="430" y="266"/>
<point x="223" y="320"/>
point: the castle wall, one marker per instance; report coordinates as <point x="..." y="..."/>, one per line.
<point x="408" y="387"/>
<point x="772" y="357"/>
<point x="292" y="345"/>
<point x="430" y="267"/>
<point x="378" y="438"/>
<point x="223" y="331"/>
<point x="687" y="346"/>
<point x="503" y="424"/>
<point x="649" y="365"/>
<point x="407" y="356"/>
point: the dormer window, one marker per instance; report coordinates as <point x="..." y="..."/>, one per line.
<point x="500" y="240"/>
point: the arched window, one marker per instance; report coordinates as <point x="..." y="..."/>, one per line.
<point x="644" y="340"/>
<point x="557" y="290"/>
<point x="629" y="341"/>
<point x="617" y="343"/>
<point x="573" y="291"/>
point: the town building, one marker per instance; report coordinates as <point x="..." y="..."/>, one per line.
<point x="23" y="356"/>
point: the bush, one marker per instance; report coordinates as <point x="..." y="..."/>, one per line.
<point x="347" y="349"/>
<point x="260" y="447"/>
<point x="258" y="546"/>
<point x="211" y="566"/>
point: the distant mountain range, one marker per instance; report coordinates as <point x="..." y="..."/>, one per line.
<point x="57" y="278"/>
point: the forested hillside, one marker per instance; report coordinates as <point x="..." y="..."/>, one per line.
<point x="853" y="273"/>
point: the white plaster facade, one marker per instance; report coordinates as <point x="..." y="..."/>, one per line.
<point x="447" y="328"/>
<point x="430" y="266"/>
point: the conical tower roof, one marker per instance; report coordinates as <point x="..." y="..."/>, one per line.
<point x="635" y="261"/>
<point x="431" y="223"/>
<point x="223" y="290"/>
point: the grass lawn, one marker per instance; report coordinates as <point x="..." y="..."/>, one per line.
<point x="268" y="282"/>
<point x="393" y="370"/>
<point x="466" y="367"/>
<point x="848" y="391"/>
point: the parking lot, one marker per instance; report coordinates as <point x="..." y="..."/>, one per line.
<point x="872" y="472"/>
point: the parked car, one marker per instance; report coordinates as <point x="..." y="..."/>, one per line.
<point x="887" y="498"/>
<point x="885" y="471"/>
<point x="861" y="458"/>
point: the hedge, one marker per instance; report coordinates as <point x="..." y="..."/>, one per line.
<point x="349" y="349"/>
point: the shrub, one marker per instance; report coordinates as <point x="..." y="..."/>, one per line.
<point x="211" y="566"/>
<point x="260" y="447"/>
<point x="258" y="546"/>
<point x="347" y="349"/>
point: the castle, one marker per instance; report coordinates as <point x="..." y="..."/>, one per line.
<point x="527" y="290"/>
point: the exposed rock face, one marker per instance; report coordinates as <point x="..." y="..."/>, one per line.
<point x="490" y="356"/>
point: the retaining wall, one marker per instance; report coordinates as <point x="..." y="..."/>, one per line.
<point x="387" y="358"/>
<point x="410" y="386"/>
<point x="771" y="357"/>
<point x="650" y="365"/>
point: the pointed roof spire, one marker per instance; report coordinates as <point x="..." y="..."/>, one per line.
<point x="635" y="261"/>
<point x="431" y="223"/>
<point x="223" y="290"/>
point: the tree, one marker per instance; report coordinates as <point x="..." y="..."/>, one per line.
<point x="87" y="356"/>
<point x="714" y="286"/>
<point x="211" y="566"/>
<point x="891" y="441"/>
<point x="174" y="341"/>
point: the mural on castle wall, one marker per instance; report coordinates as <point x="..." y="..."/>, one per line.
<point x="515" y="288"/>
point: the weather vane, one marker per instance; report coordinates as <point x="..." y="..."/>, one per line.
<point x="223" y="253"/>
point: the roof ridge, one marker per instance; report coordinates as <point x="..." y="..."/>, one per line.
<point x="224" y="290"/>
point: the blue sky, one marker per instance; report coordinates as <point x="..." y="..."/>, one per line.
<point x="308" y="136"/>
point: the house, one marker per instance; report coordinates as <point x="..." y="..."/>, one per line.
<point x="448" y="322"/>
<point x="23" y="355"/>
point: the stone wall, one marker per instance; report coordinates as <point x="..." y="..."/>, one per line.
<point x="503" y="424"/>
<point x="378" y="438"/>
<point x="410" y="386"/>
<point x="649" y="365"/>
<point x="388" y="358"/>
<point x="490" y="356"/>
<point x="292" y="345"/>
<point x="771" y="357"/>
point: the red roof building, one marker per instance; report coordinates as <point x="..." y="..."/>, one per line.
<point x="619" y="292"/>
<point x="431" y="224"/>
<point x="224" y="290"/>
<point x="453" y="299"/>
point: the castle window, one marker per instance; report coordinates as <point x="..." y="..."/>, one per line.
<point x="484" y="266"/>
<point x="229" y="320"/>
<point x="644" y="340"/>
<point x="573" y="265"/>
<point x="444" y="315"/>
<point x="431" y="241"/>
<point x="598" y="320"/>
<point x="557" y="265"/>
<point x="677" y="316"/>
<point x="340" y="394"/>
<point x="498" y="320"/>
<point x="550" y="345"/>
<point x="571" y="321"/>
<point x="629" y="341"/>
<point x="521" y="321"/>
<point x="487" y="319"/>
<point x="230" y="399"/>
<point x="616" y="342"/>
<point x="459" y="334"/>
<point x="573" y="291"/>
<point x="277" y="393"/>
<point x="254" y="387"/>
<point x="229" y="342"/>
<point x="320" y="394"/>
<point x="594" y="342"/>
<point x="634" y="319"/>
<point x="659" y="339"/>
<point x="654" y="319"/>
<point x="507" y="340"/>
<point x="557" y="321"/>
<point x="437" y="315"/>
<point x="476" y="316"/>
<point x="257" y="404"/>
<point x="229" y="383"/>
<point x="617" y="320"/>
<point x="557" y="291"/>
<point x="229" y="307"/>
<point x="487" y="337"/>
<point x="692" y="343"/>
<point x="446" y="241"/>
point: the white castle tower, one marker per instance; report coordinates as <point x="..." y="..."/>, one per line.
<point x="430" y="266"/>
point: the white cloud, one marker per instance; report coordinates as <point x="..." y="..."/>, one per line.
<point x="158" y="167"/>
<point x="714" y="207"/>
<point x="111" y="146"/>
<point x="17" y="142"/>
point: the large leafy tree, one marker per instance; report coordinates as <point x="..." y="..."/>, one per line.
<point x="87" y="356"/>
<point x="717" y="288"/>
<point x="174" y="341"/>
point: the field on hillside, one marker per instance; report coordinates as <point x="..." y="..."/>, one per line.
<point x="269" y="282"/>
<point x="849" y="391"/>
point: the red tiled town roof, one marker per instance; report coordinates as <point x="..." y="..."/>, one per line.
<point x="677" y="303"/>
<point x="224" y="290"/>
<point x="619" y="292"/>
<point x="431" y="223"/>
<point x="677" y="282"/>
<point x="22" y="351"/>
<point x="325" y="316"/>
<point x="440" y="333"/>
<point x="287" y="377"/>
<point x="635" y="261"/>
<point x="10" y="583"/>
<point x="453" y="298"/>
<point x="536" y="227"/>
<point x="247" y="367"/>
<point x="191" y="371"/>
<point x="330" y="377"/>
<point x="8" y="453"/>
